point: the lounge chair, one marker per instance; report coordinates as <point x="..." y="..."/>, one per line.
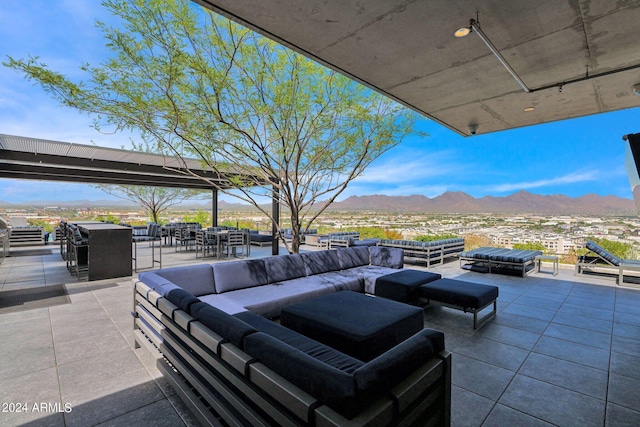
<point x="601" y="261"/>
<point x="499" y="260"/>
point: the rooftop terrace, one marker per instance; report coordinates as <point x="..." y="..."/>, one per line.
<point x="563" y="350"/>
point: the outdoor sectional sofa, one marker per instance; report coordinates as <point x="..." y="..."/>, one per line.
<point x="208" y="325"/>
<point x="499" y="260"/>
<point x="427" y="252"/>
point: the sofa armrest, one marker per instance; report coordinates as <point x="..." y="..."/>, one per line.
<point x="397" y="363"/>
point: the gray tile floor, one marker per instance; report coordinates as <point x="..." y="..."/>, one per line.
<point x="563" y="350"/>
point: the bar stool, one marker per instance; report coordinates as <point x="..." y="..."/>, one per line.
<point x="76" y="242"/>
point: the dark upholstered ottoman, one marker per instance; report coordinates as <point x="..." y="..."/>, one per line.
<point x="465" y="296"/>
<point x="356" y="324"/>
<point x="402" y="286"/>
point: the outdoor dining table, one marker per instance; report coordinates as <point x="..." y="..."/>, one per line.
<point x="220" y="238"/>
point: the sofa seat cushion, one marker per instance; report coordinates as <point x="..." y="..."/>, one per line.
<point x="284" y="267"/>
<point x="233" y="275"/>
<point x="313" y="348"/>
<point x="369" y="274"/>
<point x="353" y="257"/>
<point x="196" y="279"/>
<point x="343" y="280"/>
<point x="321" y="262"/>
<point x="268" y="300"/>
<point x="221" y="302"/>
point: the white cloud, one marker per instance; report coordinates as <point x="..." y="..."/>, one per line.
<point x="571" y="178"/>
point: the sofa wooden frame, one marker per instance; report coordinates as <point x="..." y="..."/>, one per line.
<point x="222" y="385"/>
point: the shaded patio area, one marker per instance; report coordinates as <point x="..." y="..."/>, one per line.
<point x="563" y="350"/>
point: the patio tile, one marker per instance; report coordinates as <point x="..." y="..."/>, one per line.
<point x="625" y="345"/>
<point x="628" y="318"/>
<point x="626" y="330"/>
<point x="553" y="404"/>
<point x="529" y="311"/>
<point x="589" y="323"/>
<point x="111" y="398"/>
<point x="502" y="416"/>
<point x="535" y="301"/>
<point x="524" y="323"/>
<point x="573" y="352"/>
<point x="623" y="391"/>
<point x="32" y="388"/>
<point x="468" y="409"/>
<point x="617" y="416"/>
<point x="507" y="335"/>
<point x="156" y="414"/>
<point x="581" y="336"/>
<point x="479" y="377"/>
<point x="579" y="378"/>
<point x="625" y="365"/>
<point x="493" y="352"/>
<point x="582" y="311"/>
<point x="88" y="346"/>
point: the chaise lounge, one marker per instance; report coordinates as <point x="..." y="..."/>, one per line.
<point x="601" y="261"/>
<point x="499" y="260"/>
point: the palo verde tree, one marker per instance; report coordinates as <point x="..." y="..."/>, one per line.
<point x="255" y="113"/>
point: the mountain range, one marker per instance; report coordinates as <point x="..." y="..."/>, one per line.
<point x="520" y="202"/>
<point x="449" y="202"/>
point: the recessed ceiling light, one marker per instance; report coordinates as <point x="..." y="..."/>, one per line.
<point x="529" y="109"/>
<point x="462" y="32"/>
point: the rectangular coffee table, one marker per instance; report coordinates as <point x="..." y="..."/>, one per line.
<point x="359" y="325"/>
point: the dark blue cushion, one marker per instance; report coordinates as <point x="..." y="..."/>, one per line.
<point x="594" y="247"/>
<point x="460" y="293"/>
<point x="223" y="324"/>
<point x="402" y="286"/>
<point x="326" y="383"/>
<point x="308" y="346"/>
<point x="181" y="299"/>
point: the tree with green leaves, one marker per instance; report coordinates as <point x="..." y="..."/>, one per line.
<point x="154" y="200"/>
<point x="260" y="116"/>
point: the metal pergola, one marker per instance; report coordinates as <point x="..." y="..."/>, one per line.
<point x="39" y="159"/>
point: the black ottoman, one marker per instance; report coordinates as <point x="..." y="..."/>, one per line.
<point x="402" y="286"/>
<point x="356" y="324"/>
<point x="465" y="296"/>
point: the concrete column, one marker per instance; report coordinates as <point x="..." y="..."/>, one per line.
<point x="214" y="208"/>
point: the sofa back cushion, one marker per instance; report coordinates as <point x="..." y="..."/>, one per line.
<point x="196" y="279"/>
<point x="284" y="267"/>
<point x="223" y="324"/>
<point x="230" y="276"/>
<point x="353" y="257"/>
<point x="386" y="257"/>
<point x="324" y="382"/>
<point x="157" y="283"/>
<point x="321" y="262"/>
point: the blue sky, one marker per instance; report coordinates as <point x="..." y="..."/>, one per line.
<point x="572" y="157"/>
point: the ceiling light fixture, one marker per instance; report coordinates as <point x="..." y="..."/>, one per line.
<point x="474" y="26"/>
<point x="462" y="32"/>
<point x="529" y="109"/>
